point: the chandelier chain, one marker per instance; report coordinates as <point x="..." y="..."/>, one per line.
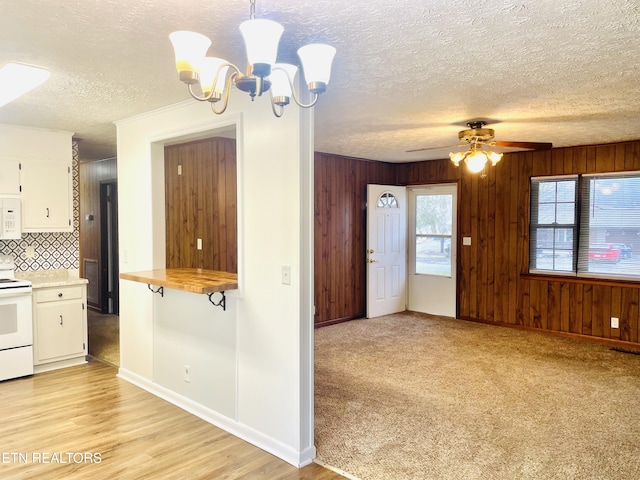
<point x="252" y="10"/>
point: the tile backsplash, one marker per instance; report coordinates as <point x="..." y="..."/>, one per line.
<point x="53" y="250"/>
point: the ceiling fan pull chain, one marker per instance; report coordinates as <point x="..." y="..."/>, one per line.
<point x="252" y="10"/>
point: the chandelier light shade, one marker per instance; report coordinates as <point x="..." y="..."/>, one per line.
<point x="316" y="61"/>
<point x="190" y="49"/>
<point x="281" y="89"/>
<point x="261" y="39"/>
<point x="209" y="74"/>
<point x="216" y="76"/>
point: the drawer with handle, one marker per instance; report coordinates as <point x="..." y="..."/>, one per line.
<point x="58" y="294"/>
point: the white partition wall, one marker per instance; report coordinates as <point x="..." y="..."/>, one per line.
<point x="251" y="365"/>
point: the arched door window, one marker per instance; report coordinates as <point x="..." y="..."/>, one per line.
<point x="387" y="200"/>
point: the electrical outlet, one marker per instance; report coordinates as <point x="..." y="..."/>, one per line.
<point x="199" y="243"/>
<point x="615" y="322"/>
<point x="30" y="251"/>
<point x="187" y="376"/>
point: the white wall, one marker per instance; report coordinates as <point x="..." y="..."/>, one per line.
<point x="252" y="367"/>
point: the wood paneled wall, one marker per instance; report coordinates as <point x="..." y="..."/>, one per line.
<point x="493" y="281"/>
<point x="340" y="235"/>
<point x="201" y="203"/>
<point x="90" y="176"/>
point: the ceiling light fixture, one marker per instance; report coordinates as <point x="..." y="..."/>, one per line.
<point x="475" y="158"/>
<point x="261" y="38"/>
<point x="16" y="79"/>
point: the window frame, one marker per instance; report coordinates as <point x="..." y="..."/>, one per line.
<point x="575" y="226"/>
<point x="582" y="238"/>
<point x="430" y="191"/>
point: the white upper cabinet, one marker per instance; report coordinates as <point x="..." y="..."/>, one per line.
<point x="9" y="176"/>
<point x="47" y="204"/>
<point x="44" y="178"/>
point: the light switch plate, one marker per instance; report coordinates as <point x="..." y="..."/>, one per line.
<point x="286" y="274"/>
<point x="466" y="241"/>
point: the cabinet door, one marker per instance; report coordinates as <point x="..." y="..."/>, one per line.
<point x="47" y="197"/>
<point x="60" y="330"/>
<point x="9" y="176"/>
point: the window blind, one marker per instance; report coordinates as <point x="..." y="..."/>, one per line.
<point x="610" y="226"/>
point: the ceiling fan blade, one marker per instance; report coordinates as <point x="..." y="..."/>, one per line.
<point x="526" y="145"/>
<point x="433" y="148"/>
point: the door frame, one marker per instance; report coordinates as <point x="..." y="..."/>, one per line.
<point x="109" y="274"/>
<point x="388" y="305"/>
<point x="455" y="267"/>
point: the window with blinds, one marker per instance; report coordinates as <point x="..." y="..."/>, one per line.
<point x="554" y="223"/>
<point x="610" y="226"/>
<point x="595" y="233"/>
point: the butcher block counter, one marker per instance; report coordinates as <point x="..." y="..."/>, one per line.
<point x="195" y="280"/>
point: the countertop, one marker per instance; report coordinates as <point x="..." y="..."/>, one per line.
<point x="195" y="280"/>
<point x="51" y="278"/>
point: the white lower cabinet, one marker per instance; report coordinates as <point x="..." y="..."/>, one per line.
<point x="59" y="327"/>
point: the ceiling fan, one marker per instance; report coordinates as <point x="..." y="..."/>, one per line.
<point x="475" y="137"/>
<point x="477" y="134"/>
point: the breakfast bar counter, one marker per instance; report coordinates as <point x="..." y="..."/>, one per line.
<point x="195" y="280"/>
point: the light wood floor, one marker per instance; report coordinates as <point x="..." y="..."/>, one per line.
<point x="53" y="424"/>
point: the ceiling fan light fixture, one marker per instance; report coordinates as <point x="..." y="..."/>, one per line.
<point x="494" y="157"/>
<point x="476" y="161"/>
<point x="261" y="38"/>
<point x="457" y="157"/>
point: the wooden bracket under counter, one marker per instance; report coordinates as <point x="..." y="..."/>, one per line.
<point x="194" y="280"/>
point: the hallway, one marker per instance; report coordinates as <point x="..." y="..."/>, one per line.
<point x="104" y="337"/>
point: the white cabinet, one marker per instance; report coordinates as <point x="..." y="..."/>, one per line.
<point x="47" y="196"/>
<point x="59" y="327"/>
<point x="9" y="176"/>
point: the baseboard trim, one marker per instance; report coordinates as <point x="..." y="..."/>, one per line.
<point x="613" y="342"/>
<point x="273" y="446"/>
<point x="335" y="321"/>
<point x="70" y="362"/>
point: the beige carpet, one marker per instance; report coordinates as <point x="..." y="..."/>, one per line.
<point x="104" y="337"/>
<point x="415" y="397"/>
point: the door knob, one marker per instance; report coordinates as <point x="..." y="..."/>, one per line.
<point x="371" y="260"/>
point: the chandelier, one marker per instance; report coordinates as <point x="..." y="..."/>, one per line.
<point x="475" y="158"/>
<point x="216" y="76"/>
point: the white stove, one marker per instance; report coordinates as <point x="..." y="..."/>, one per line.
<point x="16" y="328"/>
<point x="7" y="274"/>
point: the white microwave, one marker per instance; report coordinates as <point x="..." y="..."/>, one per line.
<point x="10" y="219"/>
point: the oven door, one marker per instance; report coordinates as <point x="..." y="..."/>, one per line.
<point x="16" y="328"/>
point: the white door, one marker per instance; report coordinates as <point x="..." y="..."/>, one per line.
<point x="386" y="249"/>
<point x="432" y="249"/>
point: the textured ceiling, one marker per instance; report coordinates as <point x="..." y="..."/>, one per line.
<point x="407" y="75"/>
